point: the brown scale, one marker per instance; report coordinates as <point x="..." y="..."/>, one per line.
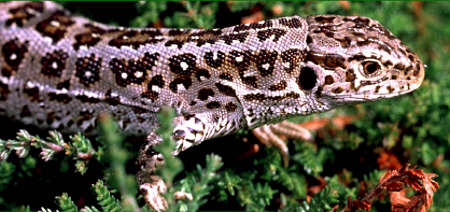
<point x="329" y="80"/>
<point x="328" y="61"/>
<point x="89" y="38"/>
<point x="62" y="98"/>
<point x="63" y="85"/>
<point x="133" y="71"/>
<point x="278" y="86"/>
<point x="293" y="57"/>
<point x="226" y="90"/>
<point x="13" y="53"/>
<point x="21" y="15"/>
<point x="54" y="63"/>
<point x="291" y="23"/>
<point x="204" y="93"/>
<point x="260" y="25"/>
<point x="265" y="61"/>
<point x="184" y="80"/>
<point x="135" y="38"/>
<point x="230" y="107"/>
<point x="266" y="34"/>
<point x="213" y="105"/>
<point x="55" y="26"/>
<point x="32" y="93"/>
<point x="226" y="76"/>
<point x="214" y="63"/>
<point x="110" y="99"/>
<point x="87" y="69"/>
<point x="229" y="38"/>
<point x="87" y="99"/>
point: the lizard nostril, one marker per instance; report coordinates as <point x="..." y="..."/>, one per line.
<point x="307" y="78"/>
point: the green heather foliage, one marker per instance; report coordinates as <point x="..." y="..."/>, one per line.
<point x="413" y="128"/>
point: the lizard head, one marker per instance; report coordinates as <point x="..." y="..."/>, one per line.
<point x="356" y="59"/>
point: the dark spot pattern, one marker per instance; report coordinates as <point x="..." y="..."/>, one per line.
<point x="278" y="86"/>
<point x="214" y="62"/>
<point x="213" y="105"/>
<point x="329" y="80"/>
<point x="226" y="76"/>
<point x="183" y="64"/>
<point x="260" y="25"/>
<point x="110" y="99"/>
<point x="133" y="70"/>
<point x="307" y="78"/>
<point x="241" y="60"/>
<point x="202" y="73"/>
<point x="226" y="90"/>
<point x="183" y="80"/>
<point x="204" y="93"/>
<point x="63" y="85"/>
<point x="291" y="22"/>
<point x="89" y="38"/>
<point x="62" y="98"/>
<point x="177" y="43"/>
<point x="293" y="57"/>
<point x="324" y="19"/>
<point x="87" y="69"/>
<point x="22" y="14"/>
<point x="390" y="89"/>
<point x="230" y="107"/>
<point x="229" y="38"/>
<point x="259" y="97"/>
<point x="157" y="80"/>
<point x="332" y="61"/>
<point x="328" y="61"/>
<point x="87" y="99"/>
<point x="55" y="26"/>
<point x="205" y="36"/>
<point x="4" y="91"/>
<point x="13" y="53"/>
<point x="337" y="90"/>
<point x="265" y="62"/>
<point x="54" y="63"/>
<point x="136" y="38"/>
<point x="266" y="34"/>
<point x="32" y="93"/>
<point x="178" y="32"/>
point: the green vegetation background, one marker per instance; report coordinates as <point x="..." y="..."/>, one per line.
<point x="411" y="129"/>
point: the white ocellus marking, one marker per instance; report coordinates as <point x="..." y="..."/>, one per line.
<point x="184" y="66"/>
<point x="13" y="57"/>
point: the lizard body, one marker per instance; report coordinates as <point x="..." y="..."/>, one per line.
<point x="61" y="71"/>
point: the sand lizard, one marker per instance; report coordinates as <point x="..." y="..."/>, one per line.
<point x="60" y="71"/>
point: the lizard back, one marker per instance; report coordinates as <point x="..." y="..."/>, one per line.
<point x="60" y="71"/>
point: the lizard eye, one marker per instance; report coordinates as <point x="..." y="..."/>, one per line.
<point x="370" y="67"/>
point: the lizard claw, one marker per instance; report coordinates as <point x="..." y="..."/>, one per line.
<point x="269" y="136"/>
<point x="152" y="194"/>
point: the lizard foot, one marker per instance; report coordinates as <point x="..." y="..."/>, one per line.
<point x="152" y="194"/>
<point x="269" y="135"/>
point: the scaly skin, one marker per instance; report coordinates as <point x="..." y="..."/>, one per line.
<point x="61" y="71"/>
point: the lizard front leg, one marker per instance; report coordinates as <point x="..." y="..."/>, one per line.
<point x="189" y="130"/>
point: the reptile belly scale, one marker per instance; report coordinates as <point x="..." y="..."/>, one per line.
<point x="61" y="71"/>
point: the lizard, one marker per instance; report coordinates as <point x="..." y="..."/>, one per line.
<point x="61" y="71"/>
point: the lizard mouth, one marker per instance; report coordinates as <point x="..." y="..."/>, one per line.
<point x="385" y="90"/>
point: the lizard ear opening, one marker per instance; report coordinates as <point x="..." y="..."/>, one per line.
<point x="307" y="78"/>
